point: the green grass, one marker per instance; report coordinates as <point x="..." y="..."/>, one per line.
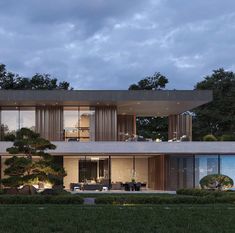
<point x="107" y="218"/>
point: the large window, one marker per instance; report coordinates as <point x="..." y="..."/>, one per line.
<point x="15" y="118"/>
<point x="79" y="124"/>
<point x="27" y="118"/>
<point x="93" y="169"/>
<point x="180" y="172"/>
<point x="205" y="165"/>
<point x="227" y="166"/>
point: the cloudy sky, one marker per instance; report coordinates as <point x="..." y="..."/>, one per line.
<point x="110" y="44"/>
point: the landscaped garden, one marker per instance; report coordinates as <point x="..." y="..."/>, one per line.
<point x="24" y="208"/>
<point x="106" y="218"/>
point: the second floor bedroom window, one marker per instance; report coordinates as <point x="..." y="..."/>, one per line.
<point x="79" y="124"/>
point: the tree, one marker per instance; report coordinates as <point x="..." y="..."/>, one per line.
<point x="38" y="81"/>
<point x="152" y="127"/>
<point x="218" y="116"/>
<point x="216" y="181"/>
<point x="23" y="170"/>
<point x="155" y="82"/>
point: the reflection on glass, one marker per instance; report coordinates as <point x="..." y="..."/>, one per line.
<point x="12" y="119"/>
<point x="93" y="170"/>
<point x="205" y="165"/>
<point x="79" y="124"/>
<point x="9" y="121"/>
<point x="27" y="118"/>
<point x="180" y="172"/>
<point x="227" y="166"/>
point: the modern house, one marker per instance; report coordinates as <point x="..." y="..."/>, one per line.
<point x="94" y="132"/>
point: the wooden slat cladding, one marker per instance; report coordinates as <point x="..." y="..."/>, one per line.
<point x="106" y="123"/>
<point x="125" y="127"/>
<point x="179" y="125"/>
<point x="49" y="122"/>
<point x="156" y="172"/>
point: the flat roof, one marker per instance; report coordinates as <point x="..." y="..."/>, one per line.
<point x="139" y="102"/>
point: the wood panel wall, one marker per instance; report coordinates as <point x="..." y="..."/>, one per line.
<point x="156" y="172"/>
<point x="179" y="125"/>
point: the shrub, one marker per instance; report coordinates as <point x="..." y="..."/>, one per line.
<point x="174" y="199"/>
<point x="40" y="199"/>
<point x="228" y="137"/>
<point x="216" y="181"/>
<point x="200" y="192"/>
<point x="209" y="137"/>
<point x="54" y="192"/>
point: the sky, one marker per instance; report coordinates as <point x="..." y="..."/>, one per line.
<point x="110" y="44"/>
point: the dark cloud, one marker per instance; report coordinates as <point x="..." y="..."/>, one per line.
<point x="109" y="44"/>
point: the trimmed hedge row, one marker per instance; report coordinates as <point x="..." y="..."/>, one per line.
<point x="203" y="192"/>
<point x="40" y="199"/>
<point x="115" y="200"/>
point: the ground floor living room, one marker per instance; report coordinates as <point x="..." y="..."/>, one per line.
<point x="143" y="172"/>
<point x="139" y="172"/>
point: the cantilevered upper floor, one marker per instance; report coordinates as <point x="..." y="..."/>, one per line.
<point x="138" y="102"/>
<point x="95" y="115"/>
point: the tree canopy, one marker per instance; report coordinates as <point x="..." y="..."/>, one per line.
<point x="9" y="80"/>
<point x="23" y="170"/>
<point x="218" y="116"/>
<point x="154" y="82"/>
<point x="152" y="127"/>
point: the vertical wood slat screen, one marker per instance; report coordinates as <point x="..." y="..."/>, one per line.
<point x="125" y="126"/>
<point x="49" y="122"/>
<point x="179" y="125"/>
<point x="106" y="124"/>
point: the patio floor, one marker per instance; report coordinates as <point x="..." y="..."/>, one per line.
<point x="125" y="192"/>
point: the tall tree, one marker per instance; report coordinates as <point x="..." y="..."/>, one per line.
<point x="9" y="80"/>
<point x="154" y="82"/>
<point x="23" y="170"/>
<point x="152" y="127"/>
<point x="218" y="116"/>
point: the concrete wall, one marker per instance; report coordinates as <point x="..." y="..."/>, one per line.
<point x="132" y="148"/>
<point x="71" y="167"/>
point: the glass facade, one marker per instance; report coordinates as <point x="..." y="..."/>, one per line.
<point x="205" y="165"/>
<point x="93" y="169"/>
<point x="79" y="124"/>
<point x="179" y="172"/>
<point x="12" y="119"/>
<point x="227" y="166"/>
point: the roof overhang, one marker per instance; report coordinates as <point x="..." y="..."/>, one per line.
<point x="138" y="102"/>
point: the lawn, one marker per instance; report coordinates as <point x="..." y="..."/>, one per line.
<point x="107" y="218"/>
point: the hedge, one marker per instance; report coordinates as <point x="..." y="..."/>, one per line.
<point x="199" y="192"/>
<point x="40" y="199"/>
<point x="204" y="192"/>
<point x="175" y="199"/>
